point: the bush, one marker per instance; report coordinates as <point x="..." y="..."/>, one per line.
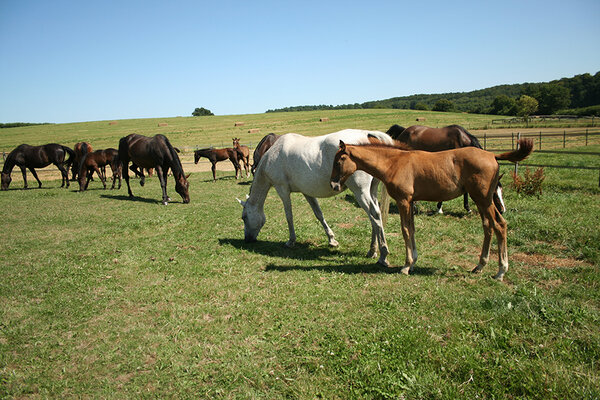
<point x="530" y="184"/>
<point x="198" y="112"/>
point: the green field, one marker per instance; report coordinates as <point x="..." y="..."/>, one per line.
<point x="106" y="297"/>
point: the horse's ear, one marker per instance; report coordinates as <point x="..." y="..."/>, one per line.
<point x="188" y="176"/>
<point x="342" y="145"/>
<point x="242" y="203"/>
<point x="500" y="178"/>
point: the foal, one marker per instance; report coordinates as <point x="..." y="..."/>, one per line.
<point x="216" y="155"/>
<point x="418" y="175"/>
<point x="94" y="162"/>
<point x="243" y="153"/>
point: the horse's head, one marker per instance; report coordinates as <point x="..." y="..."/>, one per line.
<point x="196" y="156"/>
<point x="254" y="219"/>
<point x="6" y="179"/>
<point x="182" y="187"/>
<point x="343" y="167"/>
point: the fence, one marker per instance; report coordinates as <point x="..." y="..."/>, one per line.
<point x="554" y="140"/>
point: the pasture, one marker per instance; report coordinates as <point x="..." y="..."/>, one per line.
<point x="103" y="296"/>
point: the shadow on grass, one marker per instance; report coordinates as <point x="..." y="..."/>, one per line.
<point x="123" y="197"/>
<point x="301" y="251"/>
<point x="367" y="268"/>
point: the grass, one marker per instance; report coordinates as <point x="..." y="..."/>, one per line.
<point x="105" y="297"/>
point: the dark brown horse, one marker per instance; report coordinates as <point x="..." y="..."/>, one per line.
<point x="434" y="176"/>
<point x="217" y="155"/>
<point x="261" y="148"/>
<point x="30" y="157"/>
<point x="95" y="162"/>
<point x="80" y="149"/>
<point x="420" y="137"/>
<point x="154" y="152"/>
<point x="243" y="154"/>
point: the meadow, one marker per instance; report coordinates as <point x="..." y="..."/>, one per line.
<point x="102" y="296"/>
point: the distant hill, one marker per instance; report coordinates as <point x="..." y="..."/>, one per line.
<point x="574" y="94"/>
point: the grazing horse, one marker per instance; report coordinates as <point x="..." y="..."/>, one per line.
<point x="95" y="162"/>
<point x="297" y="163"/>
<point x="243" y="153"/>
<point x="419" y="137"/>
<point x="419" y="175"/>
<point x="154" y="152"/>
<point x="217" y="155"/>
<point x="80" y="149"/>
<point x="262" y="147"/>
<point x="30" y="157"/>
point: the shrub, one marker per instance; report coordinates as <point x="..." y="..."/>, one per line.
<point x="529" y="184"/>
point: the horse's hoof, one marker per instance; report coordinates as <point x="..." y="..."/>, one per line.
<point x="289" y="244"/>
<point x="476" y="270"/>
<point x="405" y="270"/>
<point x="384" y="263"/>
<point x="372" y="254"/>
<point x="333" y="243"/>
<point x="499" y="277"/>
<point x="165" y="203"/>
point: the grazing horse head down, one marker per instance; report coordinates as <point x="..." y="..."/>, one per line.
<point x="31" y="157"/>
<point x="302" y="164"/>
<point x="154" y="152"/>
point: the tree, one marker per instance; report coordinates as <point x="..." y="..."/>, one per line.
<point x="551" y="97"/>
<point x="443" y="105"/>
<point x="199" y="112"/>
<point x="503" y="105"/>
<point x="526" y="105"/>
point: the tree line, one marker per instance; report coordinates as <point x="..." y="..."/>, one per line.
<point x="579" y="95"/>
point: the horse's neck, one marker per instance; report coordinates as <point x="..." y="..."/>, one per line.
<point x="9" y="164"/>
<point x="259" y="189"/>
<point x="375" y="161"/>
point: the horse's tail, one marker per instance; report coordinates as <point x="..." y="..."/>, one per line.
<point x="524" y="149"/>
<point x="395" y="131"/>
<point x="474" y="140"/>
<point x="67" y="162"/>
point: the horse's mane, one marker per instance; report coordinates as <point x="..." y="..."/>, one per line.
<point x="176" y="167"/>
<point x="375" y="142"/>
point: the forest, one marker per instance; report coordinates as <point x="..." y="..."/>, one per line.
<point x="579" y="95"/>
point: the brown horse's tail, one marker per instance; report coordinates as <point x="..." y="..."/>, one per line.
<point x="524" y="149"/>
<point x="71" y="155"/>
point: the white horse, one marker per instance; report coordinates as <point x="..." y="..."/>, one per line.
<point x="297" y="163"/>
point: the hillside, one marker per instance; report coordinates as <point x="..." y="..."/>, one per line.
<point x="580" y="91"/>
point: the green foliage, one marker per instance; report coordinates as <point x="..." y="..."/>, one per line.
<point x="550" y="96"/>
<point x="443" y="105"/>
<point x="503" y="105"/>
<point x="199" y="112"/>
<point x="526" y="106"/>
<point x="19" y="124"/>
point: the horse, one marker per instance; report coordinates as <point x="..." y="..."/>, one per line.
<point x="243" y="153"/>
<point x="30" y="157"/>
<point x="261" y="148"/>
<point x="302" y="164"/>
<point x="96" y="161"/>
<point x="419" y="175"/>
<point x="80" y="149"/>
<point x="154" y="152"/>
<point x="217" y="155"/>
<point x="420" y="137"/>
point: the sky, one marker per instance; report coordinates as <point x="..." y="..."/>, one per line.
<point x="72" y="61"/>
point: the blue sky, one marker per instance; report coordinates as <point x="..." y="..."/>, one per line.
<point x="70" y="61"/>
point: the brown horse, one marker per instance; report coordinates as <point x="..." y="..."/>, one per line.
<point x="80" y="149"/>
<point x="262" y="147"/>
<point x="419" y="137"/>
<point x="31" y="157"/>
<point x="95" y="162"/>
<point x="243" y="153"/>
<point x="217" y="155"/>
<point x="154" y="152"/>
<point x="418" y="175"/>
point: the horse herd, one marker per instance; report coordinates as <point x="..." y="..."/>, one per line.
<point x="416" y="163"/>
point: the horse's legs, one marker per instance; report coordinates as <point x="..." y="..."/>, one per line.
<point x="214" y="169"/>
<point x="163" y="184"/>
<point x="126" y="176"/>
<point x="439" y="208"/>
<point x="404" y="207"/>
<point x="165" y="175"/>
<point x="314" y="203"/>
<point x="101" y="175"/>
<point x="367" y="199"/>
<point x="284" y="194"/>
<point x="500" y="229"/>
<point x="466" y="202"/>
<point x="35" y="176"/>
<point x="412" y="235"/>
<point x="64" y="173"/>
<point x="24" y="172"/>
<point x="486" y="221"/>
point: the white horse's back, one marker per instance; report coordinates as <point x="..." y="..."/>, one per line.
<point x="304" y="163"/>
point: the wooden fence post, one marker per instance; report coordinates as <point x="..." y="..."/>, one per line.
<point x="564" y="138"/>
<point x="485" y="141"/>
<point x="586" y="136"/>
<point x="517" y="164"/>
<point x="540" y="140"/>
